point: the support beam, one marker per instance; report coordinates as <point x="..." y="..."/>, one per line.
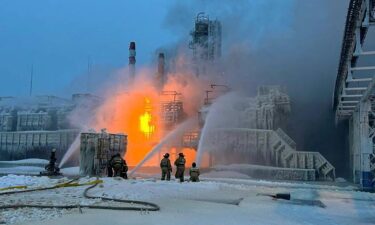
<point x="365" y="144"/>
<point x="351" y="96"/>
<point x="369" y="91"/>
<point x="356" y="89"/>
<point x="347" y="107"/>
<point x="358" y="80"/>
<point x="362" y="68"/>
<point x="349" y="102"/>
<point x="345" y="111"/>
<point x="366" y="53"/>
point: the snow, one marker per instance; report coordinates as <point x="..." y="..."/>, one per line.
<point x="248" y="166"/>
<point x="16" y="180"/>
<point x="70" y="171"/>
<point x="25" y="170"/>
<point x="26" y="161"/>
<point x="25" y="166"/>
<point x="225" y="174"/>
<point x="212" y="201"/>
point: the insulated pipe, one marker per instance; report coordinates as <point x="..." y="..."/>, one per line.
<point x="132" y="54"/>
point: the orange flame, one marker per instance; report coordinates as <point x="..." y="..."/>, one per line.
<point x="136" y="113"/>
<point x="145" y="120"/>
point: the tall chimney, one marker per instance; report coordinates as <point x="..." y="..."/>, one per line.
<point x="161" y="70"/>
<point x="132" y="54"/>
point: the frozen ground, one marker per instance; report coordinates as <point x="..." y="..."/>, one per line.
<point x="213" y="201"/>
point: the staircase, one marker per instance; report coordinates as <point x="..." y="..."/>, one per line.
<point x="279" y="149"/>
<point x="285" y="155"/>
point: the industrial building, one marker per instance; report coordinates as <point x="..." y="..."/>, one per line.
<point x="31" y="126"/>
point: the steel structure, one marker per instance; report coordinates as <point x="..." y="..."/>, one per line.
<point x="354" y="90"/>
<point x="96" y="149"/>
<point x="206" y="42"/>
<point x="172" y="110"/>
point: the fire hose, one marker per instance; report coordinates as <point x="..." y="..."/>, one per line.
<point x="144" y="206"/>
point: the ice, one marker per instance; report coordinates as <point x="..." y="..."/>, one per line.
<point x="211" y="201"/>
<point x="70" y="171"/>
<point x="26" y="161"/>
<point x="25" y="170"/>
<point x="225" y="174"/>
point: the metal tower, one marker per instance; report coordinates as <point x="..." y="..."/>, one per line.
<point x="206" y="42"/>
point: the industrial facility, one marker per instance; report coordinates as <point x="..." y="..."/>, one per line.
<point x="30" y="127"/>
<point x="253" y="133"/>
<point x="202" y="112"/>
<point x="229" y="131"/>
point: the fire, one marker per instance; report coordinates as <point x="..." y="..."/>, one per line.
<point x="135" y="110"/>
<point x="145" y="120"/>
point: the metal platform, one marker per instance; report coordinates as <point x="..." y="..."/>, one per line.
<point x="354" y="93"/>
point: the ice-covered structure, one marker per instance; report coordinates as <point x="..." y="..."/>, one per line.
<point x="30" y="126"/>
<point x="244" y="130"/>
<point x="96" y="149"/>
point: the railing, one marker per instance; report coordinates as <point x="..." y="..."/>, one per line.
<point x="190" y="140"/>
<point x="321" y="164"/>
<point x="286" y="138"/>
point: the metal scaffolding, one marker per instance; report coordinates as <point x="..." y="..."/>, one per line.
<point x="206" y="42"/>
<point x="354" y="91"/>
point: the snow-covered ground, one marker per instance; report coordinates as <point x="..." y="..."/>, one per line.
<point x="212" y="201"/>
<point x="26" y="162"/>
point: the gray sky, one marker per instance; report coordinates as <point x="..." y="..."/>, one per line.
<point x="58" y="36"/>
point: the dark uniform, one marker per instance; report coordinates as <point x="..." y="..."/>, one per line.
<point x="119" y="167"/>
<point x="180" y="164"/>
<point x="166" y="167"/>
<point x="194" y="173"/>
<point x="51" y="169"/>
<point x="124" y="172"/>
<point x="109" y="167"/>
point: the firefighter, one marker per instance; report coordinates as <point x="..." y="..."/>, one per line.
<point x="194" y="173"/>
<point x="166" y="167"/>
<point x="180" y="164"/>
<point x="119" y="167"/>
<point x="109" y="167"/>
<point x="124" y="172"/>
<point x="51" y="169"/>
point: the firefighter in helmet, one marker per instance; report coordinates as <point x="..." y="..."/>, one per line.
<point x="194" y="173"/>
<point x="118" y="166"/>
<point x="166" y="167"/>
<point x="180" y="164"/>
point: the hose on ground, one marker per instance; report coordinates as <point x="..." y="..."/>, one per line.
<point x="40" y="189"/>
<point x="144" y="206"/>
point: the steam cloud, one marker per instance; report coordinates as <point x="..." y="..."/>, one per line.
<point x="282" y="42"/>
<point x="272" y="42"/>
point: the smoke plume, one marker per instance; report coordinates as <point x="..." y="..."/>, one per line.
<point x="292" y="43"/>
